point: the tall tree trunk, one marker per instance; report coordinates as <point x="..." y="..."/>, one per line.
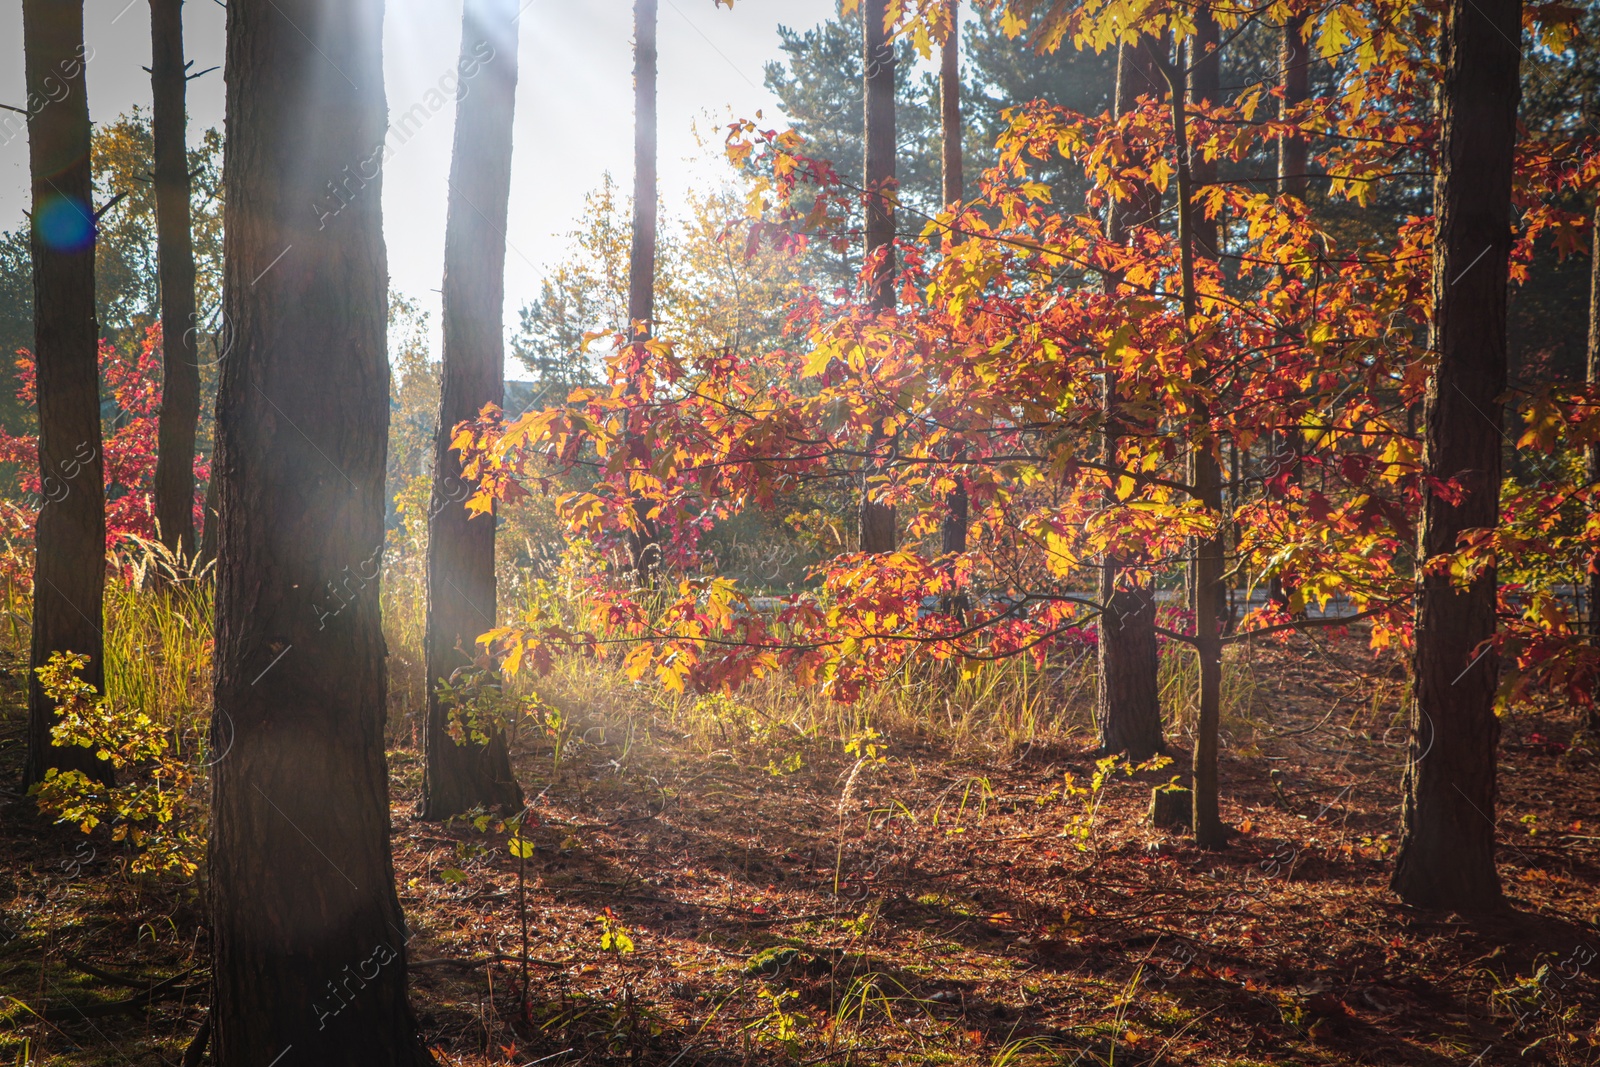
<point x="1447" y="817"/>
<point x="878" y="74"/>
<point x="461" y="586"/>
<point x="180" y="364"/>
<point x="1205" y="88"/>
<point x="1295" y="57"/>
<point x="953" y="533"/>
<point x="642" y="256"/>
<point x="953" y="180"/>
<point x="1128" y="699"/>
<point x="1197" y="236"/>
<point x="69" y="568"/>
<point x="1593" y="718"/>
<point x="1205" y="475"/>
<point x="308" y="940"/>
<point x="644" y="544"/>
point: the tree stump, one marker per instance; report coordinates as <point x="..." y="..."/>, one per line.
<point x="1171" y="806"/>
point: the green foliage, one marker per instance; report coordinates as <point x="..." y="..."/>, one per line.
<point x="126" y="283"/>
<point x="771" y="961"/>
<point x="413" y="414"/>
<point x="818" y="85"/>
<point x="587" y="293"/>
<point x="478" y="706"/>
<point x="156" y="810"/>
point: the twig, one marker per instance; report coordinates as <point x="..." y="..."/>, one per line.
<point x="1298" y="624"/>
<point x="472" y="964"/>
<point x="197" y="1047"/>
<point x="106" y="976"/>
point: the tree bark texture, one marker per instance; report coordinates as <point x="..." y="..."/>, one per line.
<point x="70" y="538"/>
<point x="308" y="940"/>
<point x="877" y="521"/>
<point x="1127" y="699"/>
<point x="180" y="365"/>
<point x="461" y="580"/>
<point x="1446" y="857"/>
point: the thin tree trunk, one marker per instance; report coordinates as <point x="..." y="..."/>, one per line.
<point x="1593" y="718"/>
<point x="642" y="257"/>
<point x="644" y="544"/>
<point x="1447" y="842"/>
<point x="461" y="584"/>
<point x="877" y="520"/>
<point x="1207" y="565"/>
<point x="1197" y="236"/>
<point x="954" y="529"/>
<point x="1205" y="88"/>
<point x="308" y="940"/>
<point x="950" y="109"/>
<point x="70" y="539"/>
<point x="1295" y="57"/>
<point x="1128" y="699"/>
<point x="209" y="519"/>
<point x="180" y="365"/>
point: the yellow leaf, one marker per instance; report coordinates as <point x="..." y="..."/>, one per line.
<point x="1160" y="174"/>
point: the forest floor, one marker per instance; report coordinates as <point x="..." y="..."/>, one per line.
<point x="787" y="904"/>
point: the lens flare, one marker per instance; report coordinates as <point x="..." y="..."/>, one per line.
<point x="65" y="223"/>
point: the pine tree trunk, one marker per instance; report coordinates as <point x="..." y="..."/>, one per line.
<point x="642" y="255"/>
<point x="70" y="539"/>
<point x="877" y="520"/>
<point x="1446" y="855"/>
<point x="180" y="365"/>
<point x="1128" y="701"/>
<point x="950" y="159"/>
<point x="953" y="531"/>
<point x="644" y="544"/>
<point x="308" y="940"/>
<point x="1295" y="56"/>
<point x="461" y="580"/>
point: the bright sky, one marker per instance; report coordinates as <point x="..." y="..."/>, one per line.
<point x="574" y="109"/>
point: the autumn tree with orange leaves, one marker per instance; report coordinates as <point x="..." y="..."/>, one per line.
<point x="1268" y="359"/>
